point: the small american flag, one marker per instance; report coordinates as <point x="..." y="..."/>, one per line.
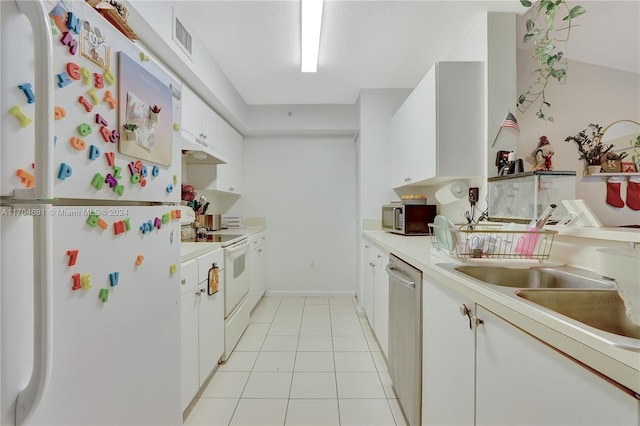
<point x="511" y="121"/>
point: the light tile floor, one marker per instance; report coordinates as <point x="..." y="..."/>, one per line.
<point x="302" y="361"/>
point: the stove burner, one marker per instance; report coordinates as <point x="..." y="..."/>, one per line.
<point x="222" y="238"/>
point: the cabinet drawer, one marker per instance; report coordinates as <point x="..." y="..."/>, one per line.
<point x="207" y="260"/>
<point x="188" y="276"/>
<point x="257" y="240"/>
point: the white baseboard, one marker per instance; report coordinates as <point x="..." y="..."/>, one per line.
<point x="285" y="293"/>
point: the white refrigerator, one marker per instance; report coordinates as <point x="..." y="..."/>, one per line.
<point x="89" y="223"/>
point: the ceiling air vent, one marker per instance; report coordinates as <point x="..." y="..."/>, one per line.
<point x="182" y="36"/>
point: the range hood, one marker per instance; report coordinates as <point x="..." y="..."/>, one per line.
<point x="196" y="151"/>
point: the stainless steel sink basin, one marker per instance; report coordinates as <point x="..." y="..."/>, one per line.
<point x="601" y="309"/>
<point x="560" y="277"/>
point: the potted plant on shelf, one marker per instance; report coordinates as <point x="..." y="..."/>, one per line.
<point x="153" y="114"/>
<point x="590" y="146"/>
<point x="130" y="131"/>
<point x="635" y="144"/>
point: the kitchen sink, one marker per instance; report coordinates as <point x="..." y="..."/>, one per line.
<point x="552" y="278"/>
<point x="601" y="309"/>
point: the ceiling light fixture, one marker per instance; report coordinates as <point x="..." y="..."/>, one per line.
<point x="310" y="23"/>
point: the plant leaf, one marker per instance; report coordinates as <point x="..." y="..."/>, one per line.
<point x="576" y="11"/>
<point x="529" y="25"/>
<point x="527" y="37"/>
<point x="526" y="3"/>
<point x="521" y="99"/>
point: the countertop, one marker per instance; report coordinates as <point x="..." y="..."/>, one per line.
<point x="191" y="250"/>
<point x="628" y="235"/>
<point x="621" y="365"/>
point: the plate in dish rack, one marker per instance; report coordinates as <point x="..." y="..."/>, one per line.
<point x="445" y="233"/>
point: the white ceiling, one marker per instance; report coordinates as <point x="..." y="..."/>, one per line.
<point x="373" y="44"/>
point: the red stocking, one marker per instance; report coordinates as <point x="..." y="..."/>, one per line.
<point x="633" y="193"/>
<point x="613" y="192"/>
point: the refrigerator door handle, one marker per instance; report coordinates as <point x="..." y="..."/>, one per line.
<point x="29" y="398"/>
<point x="37" y="14"/>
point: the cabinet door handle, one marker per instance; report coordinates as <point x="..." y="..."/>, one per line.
<point x="474" y="321"/>
<point x="183" y="281"/>
<point x="465" y="311"/>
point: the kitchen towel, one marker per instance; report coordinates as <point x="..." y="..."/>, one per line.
<point x="214" y="280"/>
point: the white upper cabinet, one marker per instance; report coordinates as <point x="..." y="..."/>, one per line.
<point x="438" y="132"/>
<point x="200" y="128"/>
<point x="229" y="176"/>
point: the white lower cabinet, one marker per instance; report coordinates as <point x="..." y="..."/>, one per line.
<point x="375" y="292"/>
<point x="368" y="269"/>
<point x="381" y="301"/>
<point x="521" y="380"/>
<point x="448" y="358"/>
<point x="257" y="268"/>
<point x="202" y="323"/>
<point x="479" y="369"/>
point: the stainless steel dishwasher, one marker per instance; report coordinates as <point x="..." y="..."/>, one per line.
<point x="405" y="336"/>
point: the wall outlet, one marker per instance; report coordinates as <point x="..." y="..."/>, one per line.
<point x="473" y="195"/>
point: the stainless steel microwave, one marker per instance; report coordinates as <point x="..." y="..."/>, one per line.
<point x="408" y="219"/>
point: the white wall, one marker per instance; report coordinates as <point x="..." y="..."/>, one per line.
<point x="591" y="94"/>
<point x="305" y="189"/>
<point x="492" y="41"/>
<point x="377" y="107"/>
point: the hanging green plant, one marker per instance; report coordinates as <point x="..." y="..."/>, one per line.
<point x="550" y="50"/>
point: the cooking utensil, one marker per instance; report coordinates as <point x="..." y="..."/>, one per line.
<point x="544" y="217"/>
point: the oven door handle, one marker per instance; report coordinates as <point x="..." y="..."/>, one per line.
<point x="237" y="249"/>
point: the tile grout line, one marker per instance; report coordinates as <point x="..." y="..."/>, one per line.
<point x="293" y="368"/>
<point x="332" y="329"/>
<point x="252" y="369"/>
<point x="376" y="367"/>
<point x="335" y="368"/>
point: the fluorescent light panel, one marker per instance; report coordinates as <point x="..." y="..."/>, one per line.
<point x="311" y="23"/>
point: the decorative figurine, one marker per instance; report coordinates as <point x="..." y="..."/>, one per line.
<point x="543" y="154"/>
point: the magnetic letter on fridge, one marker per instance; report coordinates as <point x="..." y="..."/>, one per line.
<point x="94" y="152"/>
<point x="98" y="180"/>
<point x="63" y="79"/>
<point x="64" y="172"/>
<point x="26" y="88"/>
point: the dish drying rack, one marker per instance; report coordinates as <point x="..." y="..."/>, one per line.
<point x="492" y="242"/>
